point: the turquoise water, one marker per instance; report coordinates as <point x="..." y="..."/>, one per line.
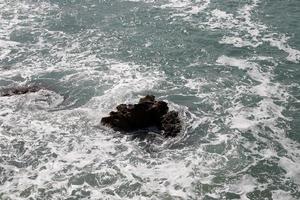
<point x="231" y="69"/>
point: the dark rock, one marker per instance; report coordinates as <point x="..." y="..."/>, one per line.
<point x="171" y="124"/>
<point x="147" y="113"/>
<point x="19" y="90"/>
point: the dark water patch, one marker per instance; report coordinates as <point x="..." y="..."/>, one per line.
<point x="266" y="169"/>
<point x="24" y="36"/>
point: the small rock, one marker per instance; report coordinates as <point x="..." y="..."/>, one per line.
<point x="148" y="112"/>
<point x="19" y="90"/>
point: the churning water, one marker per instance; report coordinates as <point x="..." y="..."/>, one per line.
<point x="230" y="67"/>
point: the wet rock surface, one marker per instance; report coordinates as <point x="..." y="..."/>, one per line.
<point x="19" y="90"/>
<point x="147" y="113"/>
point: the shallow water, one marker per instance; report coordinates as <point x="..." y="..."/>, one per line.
<point x="231" y="69"/>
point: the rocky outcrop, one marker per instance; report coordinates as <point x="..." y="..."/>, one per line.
<point x="148" y="112"/>
<point x="19" y="90"/>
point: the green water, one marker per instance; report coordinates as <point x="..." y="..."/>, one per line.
<point x="230" y="68"/>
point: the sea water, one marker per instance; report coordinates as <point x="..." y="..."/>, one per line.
<point x="229" y="67"/>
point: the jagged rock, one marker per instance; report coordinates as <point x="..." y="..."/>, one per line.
<point x="148" y="112"/>
<point x="171" y="124"/>
<point x="19" y="90"/>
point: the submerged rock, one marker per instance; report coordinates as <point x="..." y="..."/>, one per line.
<point x="148" y="112"/>
<point x="171" y="124"/>
<point x="19" y="90"/>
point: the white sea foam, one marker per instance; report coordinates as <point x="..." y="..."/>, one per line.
<point x="292" y="168"/>
<point x="186" y="7"/>
<point x="242" y="30"/>
<point x="256" y="32"/>
<point x="267" y="110"/>
<point x="235" y="62"/>
<point x="238" y="42"/>
<point x="71" y="134"/>
<point x="266" y="113"/>
<point x="282" y="44"/>
<point x="245" y="185"/>
<point x="280" y="195"/>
